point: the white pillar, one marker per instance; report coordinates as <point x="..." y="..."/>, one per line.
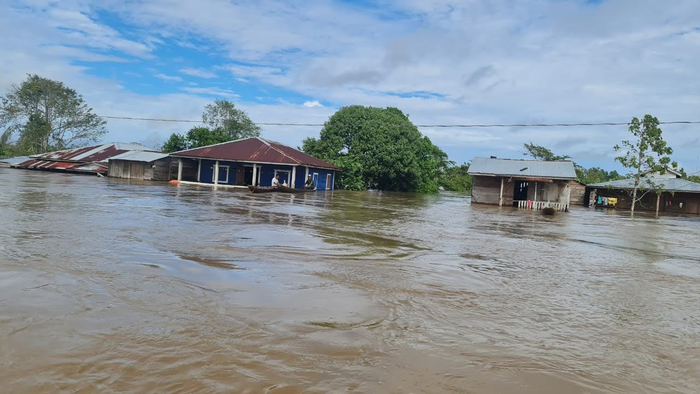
<point x="535" y="191"/>
<point x="179" y="169"/>
<point x="255" y="175"/>
<point x="216" y="172"/>
<point x="294" y="176"/>
<point x="568" y="195"/>
<point x="500" y="198"/>
<point x="306" y="175"/>
<point x="199" y="169"/>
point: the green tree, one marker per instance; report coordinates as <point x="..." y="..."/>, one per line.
<point x="541" y="153"/>
<point x="694" y="178"/>
<point x="378" y="148"/>
<point x="647" y="153"/>
<point x="584" y="175"/>
<point x="175" y="143"/>
<point x="231" y="121"/>
<point x="456" y="178"/>
<point x="202" y="136"/>
<point x="47" y="116"/>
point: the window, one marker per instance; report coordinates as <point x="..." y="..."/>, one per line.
<point x="223" y="174"/>
<point x="328" y="182"/>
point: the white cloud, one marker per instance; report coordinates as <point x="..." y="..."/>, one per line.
<point x="198" y="72"/>
<point x="169" y="78"/>
<point x="439" y="61"/>
<point x="211" y="92"/>
<point x="312" y="104"/>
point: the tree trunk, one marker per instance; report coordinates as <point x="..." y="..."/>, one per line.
<point x="636" y="182"/>
<point x="658" y="199"/>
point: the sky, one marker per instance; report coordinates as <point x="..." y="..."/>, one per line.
<point x="441" y="62"/>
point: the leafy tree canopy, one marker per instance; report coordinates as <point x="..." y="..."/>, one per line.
<point x="456" y="178"/>
<point x="42" y="115"/>
<point x="541" y="153"/>
<point x="378" y="148"/>
<point x="225" y="123"/>
<point x="231" y="121"/>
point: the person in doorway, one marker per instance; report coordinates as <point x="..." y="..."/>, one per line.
<point x="309" y="183"/>
<point x="276" y="181"/>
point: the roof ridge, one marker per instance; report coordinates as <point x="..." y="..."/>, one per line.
<point x="283" y="153"/>
<point x="220" y="143"/>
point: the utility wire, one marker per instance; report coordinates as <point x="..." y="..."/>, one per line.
<point x="418" y="125"/>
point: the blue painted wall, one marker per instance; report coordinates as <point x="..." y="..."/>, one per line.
<point x="267" y="172"/>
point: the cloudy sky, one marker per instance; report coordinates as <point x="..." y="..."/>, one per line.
<point x="442" y="62"/>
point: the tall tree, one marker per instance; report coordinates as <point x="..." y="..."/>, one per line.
<point x="378" y="148"/>
<point x="47" y="115"/>
<point x="233" y="122"/>
<point x="647" y="153"/>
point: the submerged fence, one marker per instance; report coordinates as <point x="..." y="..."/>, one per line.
<point x="539" y="205"/>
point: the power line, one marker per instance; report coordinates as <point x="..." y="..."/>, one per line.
<point x="418" y="125"/>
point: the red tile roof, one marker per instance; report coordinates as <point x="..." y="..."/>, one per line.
<point x="255" y="150"/>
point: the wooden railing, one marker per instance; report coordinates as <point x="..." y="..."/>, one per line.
<point x="539" y="205"/>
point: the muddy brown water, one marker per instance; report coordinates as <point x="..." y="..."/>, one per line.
<point x="117" y="286"/>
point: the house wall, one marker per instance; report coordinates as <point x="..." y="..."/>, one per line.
<point x="578" y="193"/>
<point x="668" y="203"/>
<point x="153" y="171"/>
<point x="487" y="189"/>
<point x="266" y="173"/>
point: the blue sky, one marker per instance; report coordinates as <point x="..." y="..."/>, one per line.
<point x="440" y="61"/>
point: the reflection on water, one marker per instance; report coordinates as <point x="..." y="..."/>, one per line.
<point x="110" y="285"/>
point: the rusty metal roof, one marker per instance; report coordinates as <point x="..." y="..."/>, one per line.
<point x="255" y="150"/>
<point x="522" y="168"/>
<point x="88" y="159"/>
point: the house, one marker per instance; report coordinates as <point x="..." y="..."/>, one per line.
<point x="85" y="160"/>
<point x="252" y="161"/>
<point x="578" y="193"/>
<point x="679" y="195"/>
<point x="526" y="184"/>
<point x="142" y="165"/>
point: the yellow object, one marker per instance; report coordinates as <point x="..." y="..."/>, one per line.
<point x="612" y="201"/>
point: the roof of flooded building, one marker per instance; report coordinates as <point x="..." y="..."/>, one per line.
<point x="562" y="169"/>
<point x="14" y="160"/>
<point x="140" y="156"/>
<point x="255" y="150"/>
<point x="84" y="159"/>
<point x="668" y="184"/>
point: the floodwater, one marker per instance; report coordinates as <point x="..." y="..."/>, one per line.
<point x="117" y="286"/>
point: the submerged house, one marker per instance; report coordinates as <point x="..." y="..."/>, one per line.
<point x="678" y="196"/>
<point x="525" y="184"/>
<point x="252" y="161"/>
<point x="85" y="160"/>
<point x="141" y="165"/>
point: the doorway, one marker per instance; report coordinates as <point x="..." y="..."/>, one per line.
<point x="285" y="176"/>
<point x="520" y="191"/>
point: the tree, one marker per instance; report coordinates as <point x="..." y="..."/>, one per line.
<point x="233" y="122"/>
<point x="378" y="148"/>
<point x="584" y="175"/>
<point x="456" y="178"/>
<point x="47" y="115"/>
<point x="175" y="143"/>
<point x="646" y="154"/>
<point x="541" y="153"/>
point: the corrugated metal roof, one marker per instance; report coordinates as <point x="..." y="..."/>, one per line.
<point x="90" y="153"/>
<point x="522" y="168"/>
<point x="669" y="184"/>
<point x="255" y="150"/>
<point x="140" y="156"/>
<point x="14" y="160"/>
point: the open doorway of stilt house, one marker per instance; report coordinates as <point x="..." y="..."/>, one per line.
<point x="520" y="192"/>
